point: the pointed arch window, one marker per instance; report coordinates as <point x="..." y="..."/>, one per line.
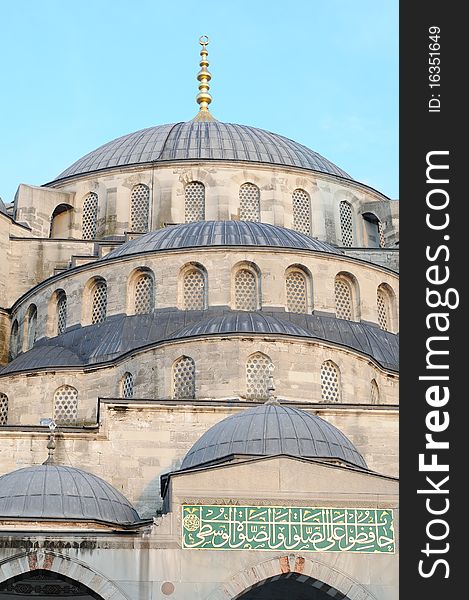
<point x="61" y="312"/>
<point x="90" y="216"/>
<point x="330" y="382"/>
<point x="139" y="208"/>
<point x="32" y="325"/>
<point x="127" y="385"/>
<point x="343" y="299"/>
<point x="297" y="291"/>
<point x="346" y="223"/>
<point x="246" y="290"/>
<point x="249" y="202"/>
<point x="194" y="289"/>
<point x="144" y="294"/>
<point x="194" y="196"/>
<point x="184" y="378"/>
<point x="258" y="371"/>
<point x="3" y="409"/>
<point x="66" y="405"/>
<point x="301" y="211"/>
<point x="99" y="302"/>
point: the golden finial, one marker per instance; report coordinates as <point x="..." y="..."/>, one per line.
<point x="203" y="76"/>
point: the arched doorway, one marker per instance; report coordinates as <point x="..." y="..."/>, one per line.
<point x="293" y="586"/>
<point x="41" y="583"/>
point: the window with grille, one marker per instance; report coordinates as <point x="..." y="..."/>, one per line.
<point x="99" y="302"/>
<point x="382" y="240"/>
<point x="383" y="309"/>
<point x="297" y="301"/>
<point x="249" y="202"/>
<point x="346" y="225"/>
<point x="246" y="290"/>
<point x="32" y="326"/>
<point x="61" y="312"/>
<point x="184" y="378"/>
<point x="127" y="385"/>
<point x="144" y="294"/>
<point x="343" y="299"/>
<point x="330" y="382"/>
<point x="301" y="211"/>
<point x="90" y="215"/>
<point x="3" y="409"/>
<point x="194" y="290"/>
<point x="66" y="405"/>
<point x="374" y="392"/>
<point x="139" y="208"/>
<point x="14" y="340"/>
<point x="194" y="201"/>
<point x="258" y="371"/>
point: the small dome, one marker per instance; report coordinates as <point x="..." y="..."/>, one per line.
<point x="269" y="430"/>
<point x="57" y="492"/>
<point x="220" y="233"/>
<point x="194" y="140"/>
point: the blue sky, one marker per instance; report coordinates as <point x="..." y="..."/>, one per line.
<point x="77" y="74"/>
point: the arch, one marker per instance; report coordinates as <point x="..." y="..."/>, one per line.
<point x="90" y="216"/>
<point x="256" y="573"/>
<point x="330" y="382"/>
<point x="249" y="202"/>
<point x="94" y="301"/>
<point x="347" y="297"/>
<point x="141" y="291"/>
<point x="183" y="378"/>
<point x="246" y="286"/>
<point x="61" y="311"/>
<point x="193" y="287"/>
<point x="386" y="308"/>
<point x="374" y="231"/>
<point x="346" y="223"/>
<point x="61" y="221"/>
<point x="14" y="340"/>
<point x="298" y="289"/>
<point x="374" y="392"/>
<point x="66" y="405"/>
<point x="32" y="326"/>
<point x="62" y="565"/>
<point x="139" y="208"/>
<point x="127" y="385"/>
<point x="259" y="368"/>
<point x="301" y="202"/>
<point x="194" y="201"/>
<point x="3" y="408"/>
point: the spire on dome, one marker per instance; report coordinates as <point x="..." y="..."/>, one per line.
<point x="203" y="76"/>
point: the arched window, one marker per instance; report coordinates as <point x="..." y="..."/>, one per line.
<point x="343" y="299"/>
<point x="61" y="221"/>
<point x="139" y="208"/>
<point x="346" y="223"/>
<point x="246" y="290"/>
<point x="90" y="216"/>
<point x="194" y="289"/>
<point x="144" y="294"/>
<point x="61" y="312"/>
<point x="3" y="409"/>
<point x="194" y="193"/>
<point x="301" y="211"/>
<point x="249" y="202"/>
<point x="99" y="301"/>
<point x="127" y="385"/>
<point x="383" y="309"/>
<point x="14" y="340"/>
<point x="330" y="382"/>
<point x="66" y="405"/>
<point x="374" y="231"/>
<point x="32" y="325"/>
<point x="259" y="368"/>
<point x="297" y="291"/>
<point x="184" y="378"/>
<point x="374" y="392"/>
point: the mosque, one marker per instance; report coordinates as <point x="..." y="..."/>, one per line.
<point x="199" y="373"/>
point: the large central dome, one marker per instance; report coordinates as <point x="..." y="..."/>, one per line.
<point x="194" y="140"/>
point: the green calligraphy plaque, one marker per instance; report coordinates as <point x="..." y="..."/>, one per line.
<point x="287" y="528"/>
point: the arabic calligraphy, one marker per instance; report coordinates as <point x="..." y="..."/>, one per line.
<point x="287" y="528"/>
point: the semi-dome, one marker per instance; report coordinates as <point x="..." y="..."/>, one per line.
<point x="272" y="429"/>
<point x="56" y="492"/>
<point x="220" y="233"/>
<point x="195" y="140"/>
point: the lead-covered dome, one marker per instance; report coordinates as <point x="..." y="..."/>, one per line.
<point x="272" y="429"/>
<point x="56" y="492"/>
<point x="220" y="233"/>
<point x="195" y="140"/>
